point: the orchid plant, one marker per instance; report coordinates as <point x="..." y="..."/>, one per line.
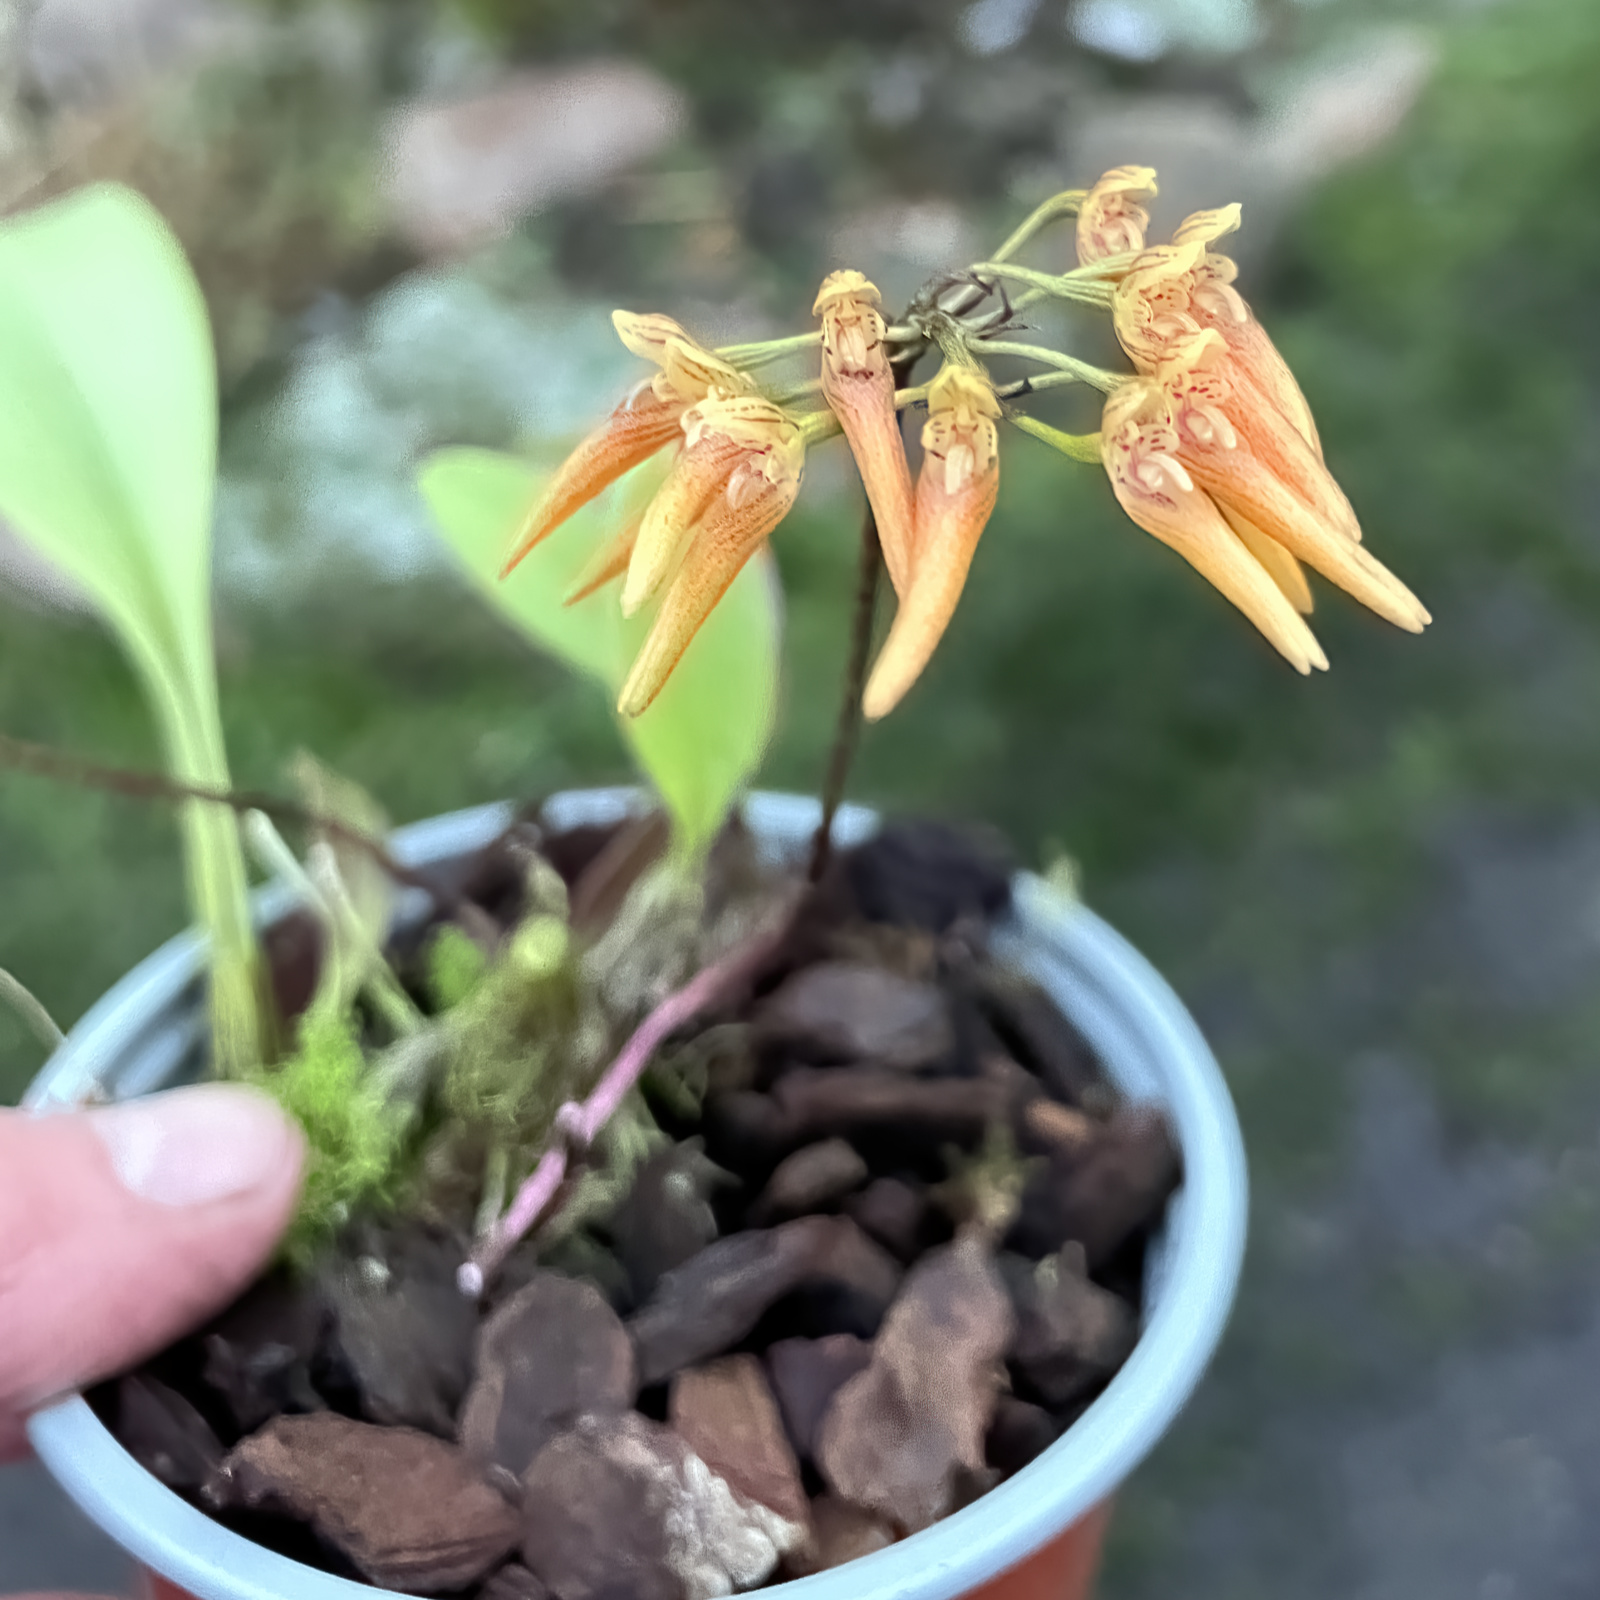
<point x="1208" y="443"/>
<point x="642" y="561"/>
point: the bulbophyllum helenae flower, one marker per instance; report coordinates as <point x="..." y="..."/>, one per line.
<point x="956" y="491"/>
<point x="1112" y="218"/>
<point x="858" y="384"/>
<point x="1175" y="291"/>
<point x="742" y="463"/>
<point x="1196" y="450"/>
<point x="646" y="421"/>
<point x="1139" y="444"/>
<point x="1209" y="443"/>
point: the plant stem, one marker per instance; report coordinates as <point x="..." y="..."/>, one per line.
<point x="847" y="730"/>
<point x="1082" y="371"/>
<point x="757" y="355"/>
<point x="45" y="762"/>
<point x="1091" y="288"/>
<point x="1041" y="380"/>
<point x="581" y="1124"/>
<point x="31" y="1009"/>
<point x="1065" y="204"/>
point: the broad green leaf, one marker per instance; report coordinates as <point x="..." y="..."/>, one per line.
<point x="108" y="428"/>
<point x="108" y="415"/>
<point x="706" y="733"/>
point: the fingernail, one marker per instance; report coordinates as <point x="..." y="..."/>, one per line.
<point x="194" y="1147"/>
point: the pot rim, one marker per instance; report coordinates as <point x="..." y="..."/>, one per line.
<point x="1136" y="1023"/>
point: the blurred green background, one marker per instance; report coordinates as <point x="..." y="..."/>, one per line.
<point x="1379" y="890"/>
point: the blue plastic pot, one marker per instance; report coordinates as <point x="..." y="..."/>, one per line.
<point x="1030" y="1535"/>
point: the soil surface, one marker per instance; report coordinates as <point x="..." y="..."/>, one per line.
<point x="889" y="1247"/>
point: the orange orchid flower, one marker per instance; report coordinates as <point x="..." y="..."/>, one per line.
<point x="956" y="491"/>
<point x="646" y="421"/>
<point x="858" y="384"/>
<point x="734" y="483"/>
<point x="607" y="564"/>
<point x="1175" y="291"/>
<point x="1139" y="445"/>
<point x="1195" y="451"/>
<point x="1112" y="217"/>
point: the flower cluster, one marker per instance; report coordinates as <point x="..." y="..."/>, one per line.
<point x="1209" y="444"/>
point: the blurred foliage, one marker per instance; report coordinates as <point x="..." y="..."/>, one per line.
<point x="706" y="733"/>
<point x="265" y="165"/>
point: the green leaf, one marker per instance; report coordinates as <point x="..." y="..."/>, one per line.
<point x="706" y="733"/>
<point x="108" y="415"/>
<point x="108" y="433"/>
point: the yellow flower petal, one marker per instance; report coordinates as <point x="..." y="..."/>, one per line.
<point x="631" y="434"/>
<point x="1139" y="448"/>
<point x="1112" y="219"/>
<point x="698" y="474"/>
<point x="1221" y="459"/>
<point x="858" y="384"/>
<point x="726" y="538"/>
<point x="610" y="561"/>
<point x="1280" y="566"/>
<point x="1208" y="226"/>
<point x="956" y="492"/>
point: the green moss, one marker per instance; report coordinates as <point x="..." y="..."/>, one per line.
<point x="455" y="967"/>
<point x="523" y="1047"/>
<point x="354" y="1139"/>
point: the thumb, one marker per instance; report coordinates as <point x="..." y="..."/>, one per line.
<point x="121" y="1228"/>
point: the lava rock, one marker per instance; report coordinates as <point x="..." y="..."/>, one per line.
<point x="903" y="1438"/>
<point x="513" y="1582"/>
<point x="924" y="874"/>
<point x="813" y="1178"/>
<point x="806" y="1374"/>
<point x="259" y="1352"/>
<point x="410" y="1511"/>
<point x="666" y="1217"/>
<point x="165" y="1434"/>
<point x="1071" y="1335"/>
<point x="1104" y="1194"/>
<point x="841" y="1532"/>
<point x="402" y="1332"/>
<point x="726" y="1413"/>
<point x="852" y="1011"/>
<point x="622" y="1507"/>
<point x="747" y="1130"/>
<point x="551" y="1353"/>
<point x="893" y="1212"/>
<point x="1018" y="1433"/>
<point x="712" y="1301"/>
<point x="815" y="1101"/>
<point x="1037" y="1033"/>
